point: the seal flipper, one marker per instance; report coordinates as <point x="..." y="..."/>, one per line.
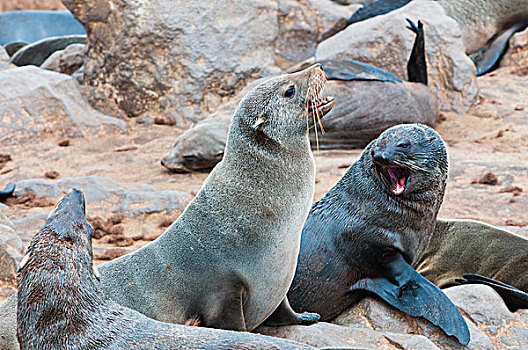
<point x="416" y="296"/>
<point x="8" y="191"/>
<point x="376" y="8"/>
<point x="285" y="316"/>
<point x="347" y="69"/>
<point x="514" y="298"/>
<point x="227" y="309"/>
<point x="488" y="56"/>
<point x="417" y="66"/>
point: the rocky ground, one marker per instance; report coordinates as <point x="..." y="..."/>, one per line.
<point x="46" y="148"/>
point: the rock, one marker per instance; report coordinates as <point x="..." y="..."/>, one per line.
<point x="324" y="334"/>
<point x="517" y="53"/>
<point x="37" y="52"/>
<point x="66" y="61"/>
<point x="37" y="101"/>
<point x="129" y="199"/>
<point x="4" y="59"/>
<point x="153" y="56"/>
<point x="385" y="42"/>
<point x="11" y="250"/>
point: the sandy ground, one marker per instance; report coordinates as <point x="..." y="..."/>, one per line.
<point x="492" y="137"/>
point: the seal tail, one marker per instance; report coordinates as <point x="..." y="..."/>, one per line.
<point x="417" y="66"/>
<point x="514" y="298"/>
<point x="418" y="297"/>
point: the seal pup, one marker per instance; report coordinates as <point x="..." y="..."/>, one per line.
<point x="372" y="226"/>
<point x="229" y="259"/>
<point x="460" y="247"/>
<point x="61" y="304"/>
<point x="370" y="100"/>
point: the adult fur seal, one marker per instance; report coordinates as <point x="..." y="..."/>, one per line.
<point x="459" y="247"/>
<point x="370" y="100"/>
<point x="230" y="257"/>
<point x="61" y="304"/>
<point x="369" y="229"/>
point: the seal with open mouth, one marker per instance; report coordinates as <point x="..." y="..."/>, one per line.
<point x="372" y="226"/>
<point x="61" y="304"/>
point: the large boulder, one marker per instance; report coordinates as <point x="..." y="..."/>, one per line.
<point x="154" y="56"/>
<point x="517" y="53"/>
<point x="36" y="101"/>
<point x="385" y="42"/>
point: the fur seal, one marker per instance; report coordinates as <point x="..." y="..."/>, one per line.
<point x="61" y="304"/>
<point x="37" y="52"/>
<point x="229" y="259"/>
<point x="486" y="26"/>
<point x="376" y="222"/>
<point x="459" y="247"/>
<point x="366" y="97"/>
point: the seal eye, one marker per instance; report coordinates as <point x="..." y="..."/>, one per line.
<point x="404" y="145"/>
<point x="290" y="92"/>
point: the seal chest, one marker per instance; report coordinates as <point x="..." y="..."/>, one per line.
<point x="229" y="258"/>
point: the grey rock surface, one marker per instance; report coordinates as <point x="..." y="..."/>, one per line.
<point x="385" y="42"/>
<point x="11" y="250"/>
<point x="126" y="198"/>
<point x="517" y="53"/>
<point x="66" y="61"/>
<point x="154" y="56"/>
<point x="35" y="101"/>
<point x="37" y="52"/>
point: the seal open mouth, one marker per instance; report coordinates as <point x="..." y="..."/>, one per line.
<point x="398" y="178"/>
<point x="323" y="105"/>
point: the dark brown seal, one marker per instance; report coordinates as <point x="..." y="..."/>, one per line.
<point x="61" y="304"/>
<point x="369" y="229"/>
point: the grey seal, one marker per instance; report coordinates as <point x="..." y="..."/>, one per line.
<point x="229" y="258"/>
<point x="372" y="226"/>
<point x="61" y="304"/>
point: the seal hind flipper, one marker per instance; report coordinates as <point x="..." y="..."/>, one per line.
<point x="416" y="296"/>
<point x="488" y="56"/>
<point x="417" y="66"/>
<point x="346" y="69"/>
<point x="285" y="316"/>
<point x="376" y="8"/>
<point x="7" y="191"/>
<point x="514" y="298"/>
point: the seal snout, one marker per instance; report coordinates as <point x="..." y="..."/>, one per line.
<point x="395" y="176"/>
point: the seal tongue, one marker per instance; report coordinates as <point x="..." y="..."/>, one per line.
<point x="397" y="180"/>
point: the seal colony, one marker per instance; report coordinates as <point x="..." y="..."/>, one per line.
<point x="61" y="304"/>
<point x="370" y="100"/>
<point x="372" y="226"/>
<point x="229" y="258"/>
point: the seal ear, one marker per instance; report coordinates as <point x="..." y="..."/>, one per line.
<point x="259" y="124"/>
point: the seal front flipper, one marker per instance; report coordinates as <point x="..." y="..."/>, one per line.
<point x="514" y="298"/>
<point x="411" y="293"/>
<point x="285" y="316"/>
<point x="8" y="191"/>
<point x="225" y="309"/>
<point x="417" y="66"/>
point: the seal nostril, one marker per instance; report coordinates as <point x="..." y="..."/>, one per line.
<point x="319" y="65"/>
<point x="379" y="156"/>
<point x="162" y="162"/>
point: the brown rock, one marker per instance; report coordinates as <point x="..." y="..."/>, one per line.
<point x="30" y="200"/>
<point x="110" y="254"/>
<point x="66" y="61"/>
<point x="64" y="143"/>
<point x="51" y="174"/>
<point x="516" y="190"/>
<point x="488" y="179"/>
<point x="516" y="223"/>
<point x="13" y="5"/>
